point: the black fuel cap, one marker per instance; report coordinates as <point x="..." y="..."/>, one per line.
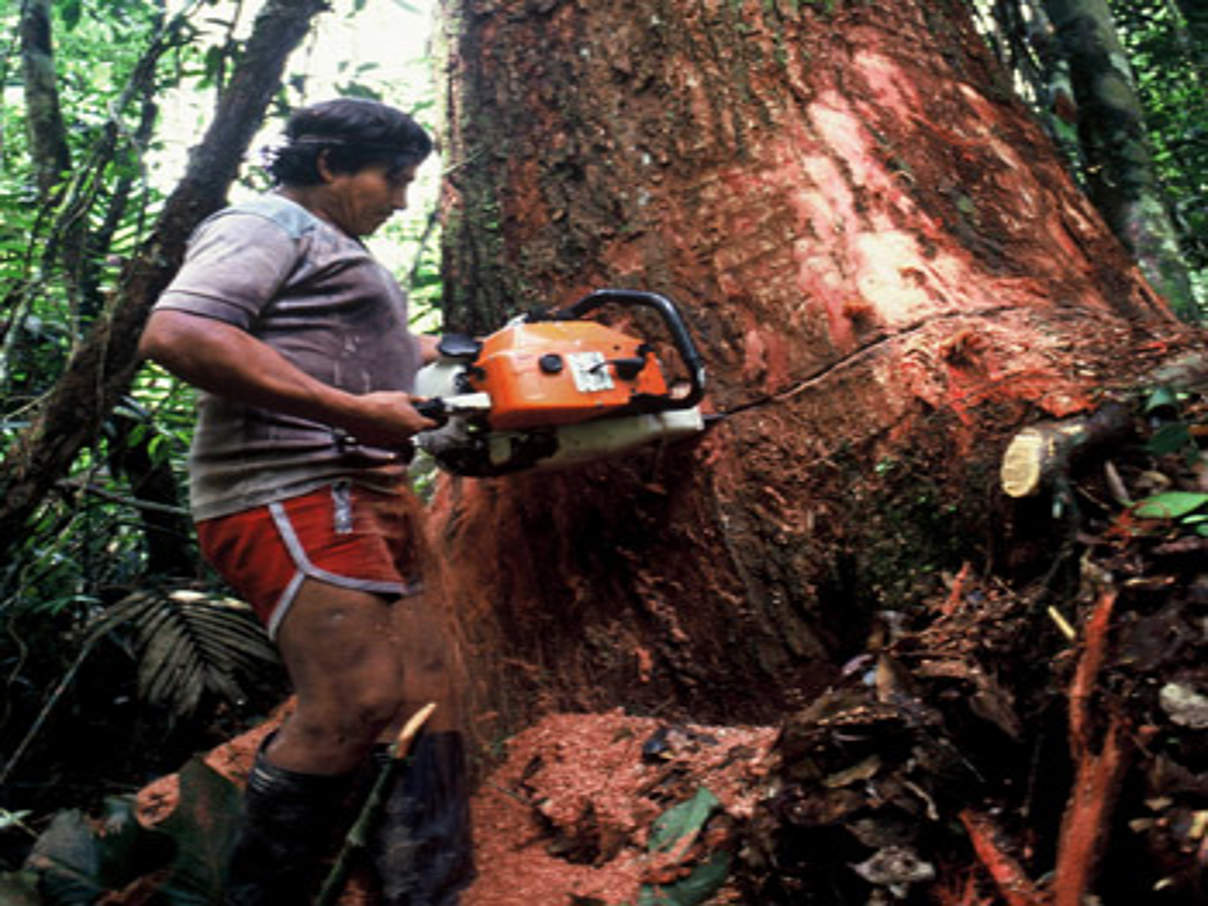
<point x="551" y="363"/>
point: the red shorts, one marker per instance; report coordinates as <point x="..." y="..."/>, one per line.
<point x="341" y="534"/>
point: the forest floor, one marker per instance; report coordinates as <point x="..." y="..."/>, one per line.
<point x="1033" y="743"/>
<point x="1028" y="744"/>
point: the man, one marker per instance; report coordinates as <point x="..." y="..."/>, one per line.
<point x="299" y="341"/>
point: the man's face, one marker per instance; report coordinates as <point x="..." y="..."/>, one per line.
<point x="362" y="201"/>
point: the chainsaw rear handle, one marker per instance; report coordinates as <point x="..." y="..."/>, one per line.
<point x="675" y="324"/>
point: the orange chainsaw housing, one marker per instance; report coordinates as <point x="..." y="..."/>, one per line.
<point x="560" y="372"/>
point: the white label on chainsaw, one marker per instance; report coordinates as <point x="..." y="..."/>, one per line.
<point x="590" y="371"/>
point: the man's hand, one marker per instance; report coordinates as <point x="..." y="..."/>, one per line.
<point x="385" y="418"/>
<point x="428" y="352"/>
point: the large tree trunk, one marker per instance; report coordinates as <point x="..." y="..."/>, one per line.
<point x="102" y="366"/>
<point x="871" y="237"/>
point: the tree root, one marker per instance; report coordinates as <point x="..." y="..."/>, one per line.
<point x="1087" y="815"/>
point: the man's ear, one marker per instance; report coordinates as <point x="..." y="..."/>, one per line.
<point x="326" y="173"/>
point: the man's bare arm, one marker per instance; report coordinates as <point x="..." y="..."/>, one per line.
<point x="230" y="362"/>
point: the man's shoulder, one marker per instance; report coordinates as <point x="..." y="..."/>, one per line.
<point x="289" y="216"/>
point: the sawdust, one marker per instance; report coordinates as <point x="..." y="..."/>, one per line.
<point x="566" y="817"/>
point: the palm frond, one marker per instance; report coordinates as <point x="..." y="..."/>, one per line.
<point x="189" y="643"/>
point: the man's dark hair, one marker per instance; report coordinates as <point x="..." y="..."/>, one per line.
<point x="355" y="133"/>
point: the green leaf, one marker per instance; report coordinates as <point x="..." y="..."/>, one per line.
<point x="1169" y="505"/>
<point x="1161" y="398"/>
<point x="682" y="819"/>
<point x="189" y="642"/>
<point x="19" y="888"/>
<point x="215" y="58"/>
<point x="70" y="11"/>
<point x="1169" y="438"/>
<point x="80" y="858"/>
<point x="693" y="890"/>
<point x="67" y="858"/>
<point x="355" y="89"/>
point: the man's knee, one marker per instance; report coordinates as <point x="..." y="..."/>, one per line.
<point x="372" y="710"/>
<point x="350" y="725"/>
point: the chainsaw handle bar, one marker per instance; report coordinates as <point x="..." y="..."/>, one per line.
<point x="433" y="409"/>
<point x="671" y="317"/>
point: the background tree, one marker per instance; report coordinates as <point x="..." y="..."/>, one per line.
<point x="106" y="359"/>
<point x="1196" y="15"/>
<point x="65" y="426"/>
<point x="44" y="119"/>
<point x="1121" y="177"/>
<point x="1070" y="64"/>
<point x="1173" y="86"/>
<point x="110" y="628"/>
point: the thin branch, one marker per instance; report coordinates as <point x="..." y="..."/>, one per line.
<point x="425" y="237"/>
<point x="135" y="502"/>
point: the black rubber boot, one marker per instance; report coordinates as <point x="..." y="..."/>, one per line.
<point x="289" y="820"/>
<point x="422" y="848"/>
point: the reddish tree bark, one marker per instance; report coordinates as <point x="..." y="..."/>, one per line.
<point x="887" y="270"/>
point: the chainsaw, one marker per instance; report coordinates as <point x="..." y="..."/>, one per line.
<point x="551" y="389"/>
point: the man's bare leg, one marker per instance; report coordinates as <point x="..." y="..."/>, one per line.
<point x="342" y="655"/>
<point x="345" y="659"/>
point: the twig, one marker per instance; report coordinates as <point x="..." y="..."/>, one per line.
<point x="429" y="228"/>
<point x="1016" y="887"/>
<point x="136" y="502"/>
<point x="958" y="588"/>
<point x="358" y="834"/>
<point x="1063" y="625"/>
<point x="1098" y="774"/>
